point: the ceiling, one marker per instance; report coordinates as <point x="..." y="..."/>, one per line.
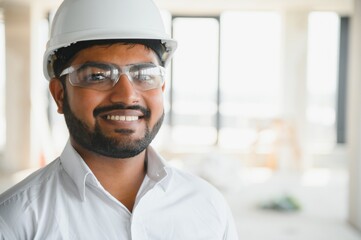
<point x="210" y="7"/>
<point x="216" y="6"/>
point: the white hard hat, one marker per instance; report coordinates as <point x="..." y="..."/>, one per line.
<point x="83" y="20"/>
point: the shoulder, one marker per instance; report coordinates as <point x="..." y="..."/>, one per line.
<point x="19" y="205"/>
<point x="24" y="193"/>
<point x="181" y="176"/>
<point x="188" y="183"/>
<point x="198" y="199"/>
<point x="33" y="181"/>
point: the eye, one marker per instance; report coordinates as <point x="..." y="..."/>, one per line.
<point x="95" y="77"/>
<point x="91" y="75"/>
<point x="144" y="78"/>
<point x="144" y="72"/>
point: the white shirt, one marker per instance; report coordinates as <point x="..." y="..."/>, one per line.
<point x="64" y="200"/>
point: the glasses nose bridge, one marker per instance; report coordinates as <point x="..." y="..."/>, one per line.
<point x="123" y="70"/>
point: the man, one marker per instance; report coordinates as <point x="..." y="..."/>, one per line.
<point x="105" y="64"/>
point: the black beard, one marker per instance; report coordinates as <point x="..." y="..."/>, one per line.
<point x="95" y="141"/>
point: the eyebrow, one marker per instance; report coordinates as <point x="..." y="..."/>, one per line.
<point x="105" y="65"/>
<point x="95" y="64"/>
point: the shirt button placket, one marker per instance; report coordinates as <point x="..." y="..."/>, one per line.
<point x="137" y="228"/>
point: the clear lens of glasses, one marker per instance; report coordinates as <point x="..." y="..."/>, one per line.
<point x="103" y="76"/>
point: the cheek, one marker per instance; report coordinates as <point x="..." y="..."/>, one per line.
<point x="82" y="102"/>
<point x="155" y="103"/>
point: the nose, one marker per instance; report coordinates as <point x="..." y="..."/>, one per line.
<point x="124" y="92"/>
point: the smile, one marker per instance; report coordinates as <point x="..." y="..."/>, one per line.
<point x="122" y="118"/>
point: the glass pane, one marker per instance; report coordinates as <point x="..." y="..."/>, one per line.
<point x="43" y="113"/>
<point x="2" y="86"/>
<point x="322" y="74"/>
<point x="195" y="80"/>
<point x="250" y="74"/>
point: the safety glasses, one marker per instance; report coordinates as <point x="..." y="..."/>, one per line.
<point x="103" y="76"/>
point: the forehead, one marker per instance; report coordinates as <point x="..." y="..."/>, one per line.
<point x="118" y="53"/>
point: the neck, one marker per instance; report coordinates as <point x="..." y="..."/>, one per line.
<point x="122" y="178"/>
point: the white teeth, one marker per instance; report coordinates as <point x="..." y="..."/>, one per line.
<point x="122" y="118"/>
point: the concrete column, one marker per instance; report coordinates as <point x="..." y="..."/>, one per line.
<point x="18" y="38"/>
<point x="295" y="34"/>
<point x="354" y="118"/>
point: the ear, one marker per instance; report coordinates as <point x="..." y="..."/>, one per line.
<point x="57" y="91"/>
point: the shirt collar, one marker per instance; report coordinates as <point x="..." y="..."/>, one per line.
<point x="80" y="173"/>
<point x="76" y="168"/>
<point x="157" y="169"/>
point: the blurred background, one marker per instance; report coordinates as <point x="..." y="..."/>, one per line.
<point x="263" y="101"/>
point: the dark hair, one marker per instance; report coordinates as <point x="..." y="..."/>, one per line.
<point x="65" y="54"/>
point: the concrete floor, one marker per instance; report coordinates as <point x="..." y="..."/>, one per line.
<point x="322" y="194"/>
<point x="323" y="214"/>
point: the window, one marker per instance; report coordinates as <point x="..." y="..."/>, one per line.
<point x="322" y="74"/>
<point x="2" y="86"/>
<point x="227" y="80"/>
<point x="58" y="130"/>
<point x="45" y="147"/>
<point x="250" y="74"/>
<point x="195" y="81"/>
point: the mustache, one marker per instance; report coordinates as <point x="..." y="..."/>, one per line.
<point x="120" y="106"/>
